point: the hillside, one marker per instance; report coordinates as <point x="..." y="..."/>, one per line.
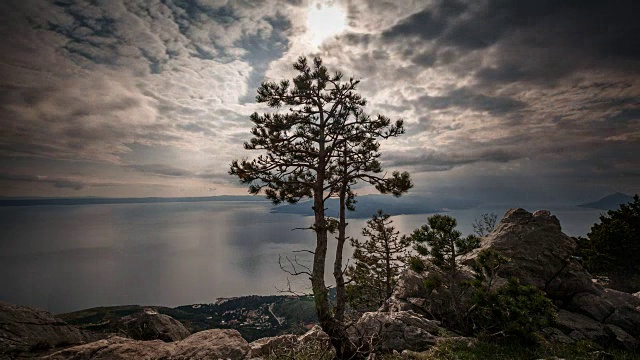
<point x="253" y="316"/>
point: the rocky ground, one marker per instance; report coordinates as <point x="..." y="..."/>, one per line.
<point x="540" y="255"/>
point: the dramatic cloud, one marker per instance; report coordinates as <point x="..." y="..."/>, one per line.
<point x="156" y="94"/>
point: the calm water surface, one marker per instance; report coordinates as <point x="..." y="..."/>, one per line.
<point x="65" y="258"/>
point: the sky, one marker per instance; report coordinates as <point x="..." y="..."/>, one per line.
<point x="503" y="101"/>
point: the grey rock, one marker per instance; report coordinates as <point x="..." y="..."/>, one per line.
<point x="622" y="338"/>
<point x="315" y="336"/>
<point x="209" y="344"/>
<point x="572" y="279"/>
<point x="212" y="344"/>
<point x="619" y="298"/>
<point x="556" y="335"/>
<point x="410" y="284"/>
<point x="270" y="345"/>
<point x="150" y="325"/>
<point x="580" y="326"/>
<point x="591" y="305"/>
<point x="627" y="318"/>
<point x="399" y="331"/>
<point x="116" y="348"/>
<point x="24" y="329"/>
<point x="538" y="249"/>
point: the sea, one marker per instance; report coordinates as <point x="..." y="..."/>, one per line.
<point x="68" y="258"/>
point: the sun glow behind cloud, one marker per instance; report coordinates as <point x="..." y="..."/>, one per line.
<point x="325" y="21"/>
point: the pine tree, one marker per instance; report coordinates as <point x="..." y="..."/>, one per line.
<point x="613" y="247"/>
<point x="378" y="262"/>
<point x="441" y="244"/>
<point x="322" y="146"/>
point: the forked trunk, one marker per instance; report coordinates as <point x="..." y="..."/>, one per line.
<point x="334" y="327"/>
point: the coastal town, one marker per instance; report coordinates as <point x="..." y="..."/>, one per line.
<point x="253" y="315"/>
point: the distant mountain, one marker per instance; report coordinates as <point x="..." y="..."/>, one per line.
<point x="367" y="205"/>
<point x="609" y="202"/>
<point x="32" y="201"/>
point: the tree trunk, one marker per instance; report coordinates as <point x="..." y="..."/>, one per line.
<point x="337" y="265"/>
<point x="333" y="327"/>
<point x="387" y="253"/>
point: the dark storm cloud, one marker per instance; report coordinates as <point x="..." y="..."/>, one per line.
<point x="56" y="182"/>
<point x="531" y="40"/>
<point x="431" y="160"/>
<point x="163" y="170"/>
<point x="466" y="98"/>
<point x="423" y="24"/>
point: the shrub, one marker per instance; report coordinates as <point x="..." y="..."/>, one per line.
<point x="513" y="310"/>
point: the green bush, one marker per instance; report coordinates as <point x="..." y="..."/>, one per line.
<point x="513" y="310"/>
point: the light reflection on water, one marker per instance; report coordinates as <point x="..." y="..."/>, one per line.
<point x="65" y="258"/>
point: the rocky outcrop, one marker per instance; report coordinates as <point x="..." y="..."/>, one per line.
<point x="116" y="348"/>
<point x="430" y="303"/>
<point x="388" y="331"/>
<point x="541" y="255"/>
<point x="209" y="344"/>
<point x="150" y="325"/>
<point x="373" y="332"/>
<point x="292" y="346"/>
<point x="28" y="330"/>
<point x="212" y="344"/>
<point x="314" y="337"/>
<point x="271" y="345"/>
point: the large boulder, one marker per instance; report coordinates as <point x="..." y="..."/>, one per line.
<point x="209" y="344"/>
<point x="412" y="294"/>
<point x="212" y="344"/>
<point x="308" y="345"/>
<point x="388" y="331"/>
<point x="272" y="345"/>
<point x="150" y="325"/>
<point x="410" y="285"/>
<point x="580" y="327"/>
<point x="314" y="337"/>
<point x="591" y="305"/>
<point x="24" y="330"/>
<point x="116" y="348"/>
<point x="540" y="253"/>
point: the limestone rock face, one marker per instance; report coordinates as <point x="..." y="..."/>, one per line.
<point x="116" y="348"/>
<point x="150" y="325"/>
<point x="541" y="255"/>
<point x="290" y="346"/>
<point x="592" y="306"/>
<point x="315" y="336"/>
<point x="539" y="251"/>
<point x="212" y="344"/>
<point x="270" y="345"/>
<point x="209" y="344"/>
<point x="432" y="304"/>
<point x="404" y="330"/>
<point x="24" y="329"/>
<point x="580" y="327"/>
<point x="410" y="284"/>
